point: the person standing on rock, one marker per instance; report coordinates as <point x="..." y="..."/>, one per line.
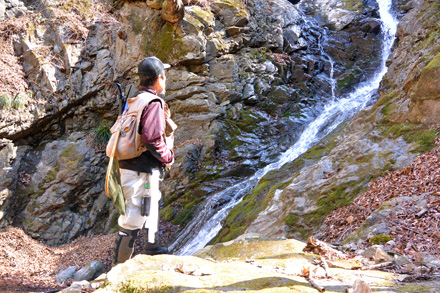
<point x="140" y="176"/>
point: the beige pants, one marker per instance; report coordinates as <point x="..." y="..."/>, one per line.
<point x="134" y="187"/>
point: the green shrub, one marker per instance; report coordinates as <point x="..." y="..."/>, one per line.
<point x="102" y="134"/>
<point x="19" y="101"/>
<point x="5" y="101"/>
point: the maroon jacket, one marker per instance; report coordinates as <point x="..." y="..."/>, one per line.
<point x="151" y="128"/>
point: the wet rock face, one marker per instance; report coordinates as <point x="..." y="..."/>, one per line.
<point x="339" y="167"/>
<point x="343" y="39"/>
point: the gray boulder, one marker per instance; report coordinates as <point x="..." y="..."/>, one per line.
<point x="65" y="274"/>
<point x="426" y="259"/>
<point x="89" y="272"/>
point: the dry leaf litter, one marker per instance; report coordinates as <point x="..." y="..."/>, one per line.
<point x="413" y="229"/>
<point x="27" y="264"/>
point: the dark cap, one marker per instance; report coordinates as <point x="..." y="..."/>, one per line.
<point x="152" y="67"/>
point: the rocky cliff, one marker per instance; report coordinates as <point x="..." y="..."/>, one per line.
<point x="386" y="136"/>
<point x="246" y="78"/>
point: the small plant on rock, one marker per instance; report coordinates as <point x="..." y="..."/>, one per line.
<point x="5" y="101"/>
<point x="102" y="134"/>
<point x="380" y="239"/>
<point x="19" y="101"/>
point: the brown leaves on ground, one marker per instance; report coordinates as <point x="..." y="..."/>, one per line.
<point x="12" y="74"/>
<point x="413" y="230"/>
<point x="26" y="263"/>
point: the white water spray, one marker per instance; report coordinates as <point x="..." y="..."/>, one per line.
<point x="207" y="223"/>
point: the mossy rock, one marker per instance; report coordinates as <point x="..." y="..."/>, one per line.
<point x="202" y="19"/>
<point x="171" y="44"/>
<point x="326" y="202"/>
<point x="231" y="12"/>
<point x="380" y="239"/>
<point x="252" y="246"/>
<point x="428" y="86"/>
<point x="248" y="263"/>
<point x="164" y="40"/>
<point x="218" y="278"/>
<point x="412" y="133"/>
<point x="69" y="159"/>
<point x="352" y="5"/>
<point x="84" y="8"/>
<point x="245" y="212"/>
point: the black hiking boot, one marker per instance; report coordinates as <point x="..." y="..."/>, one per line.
<point x="153" y="248"/>
<point x="124" y="245"/>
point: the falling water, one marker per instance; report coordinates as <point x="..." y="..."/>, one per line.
<point x="207" y="222"/>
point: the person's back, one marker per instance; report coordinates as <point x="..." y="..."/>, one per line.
<point x="140" y="176"/>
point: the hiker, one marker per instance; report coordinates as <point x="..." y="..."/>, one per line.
<point x="141" y="175"/>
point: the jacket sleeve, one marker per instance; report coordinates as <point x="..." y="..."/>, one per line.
<point x="153" y="128"/>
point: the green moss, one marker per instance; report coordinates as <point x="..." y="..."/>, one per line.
<point x="32" y="207"/>
<point x="291" y="220"/>
<point x="51" y="175"/>
<point x="29" y="222"/>
<point x="30" y="190"/>
<point x="380" y="239"/>
<point x="294" y="223"/>
<point x="144" y="281"/>
<point x="66" y="152"/>
<point x="248" y="209"/>
<point x="320" y="149"/>
<point x="248" y="120"/>
<point x="164" y="40"/>
<point x="200" y="18"/>
<point x="167" y="213"/>
<point x="413" y="133"/>
<point x="429" y="41"/>
<point x="353" y="5"/>
<point x="114" y="221"/>
<point x="234" y="129"/>
<point x="427" y="85"/>
<point x="414" y="288"/>
<point x="337" y="197"/>
<point x="187" y="204"/>
<point x="20" y="100"/>
<point x="204" y="14"/>
<point x="137" y="21"/>
<point x="70" y="158"/>
<point x="296" y="164"/>
<point x="345" y="81"/>
<point x="260" y="54"/>
<point x="388" y="110"/>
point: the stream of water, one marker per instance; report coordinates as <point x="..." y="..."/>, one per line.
<point x="207" y="222"/>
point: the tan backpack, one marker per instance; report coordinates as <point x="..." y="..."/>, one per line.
<point x="129" y="142"/>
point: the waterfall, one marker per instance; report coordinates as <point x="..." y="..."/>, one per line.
<point x="207" y="222"/>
